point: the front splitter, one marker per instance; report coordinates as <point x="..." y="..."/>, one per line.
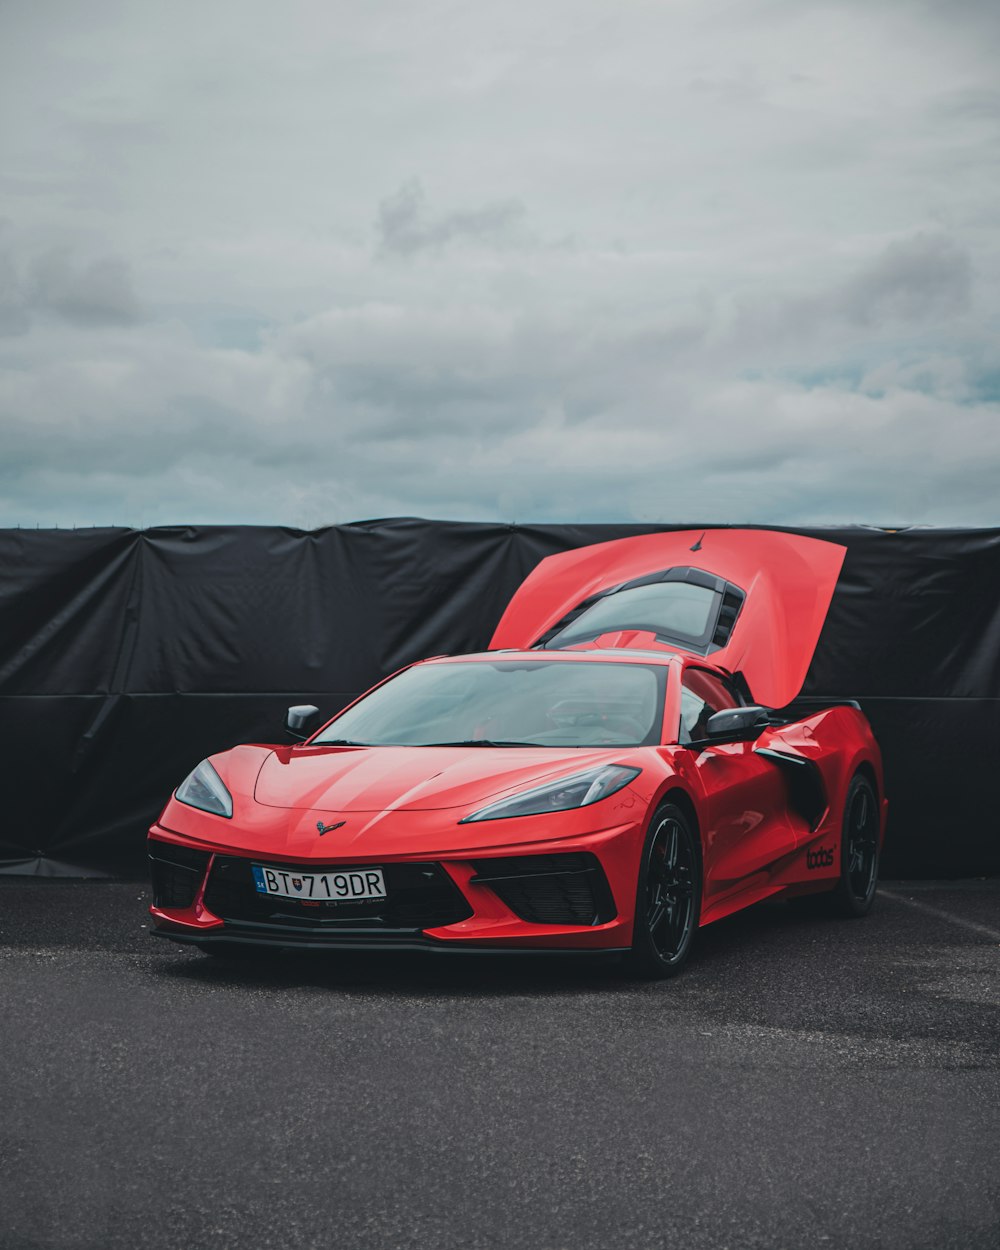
<point x="390" y="942"/>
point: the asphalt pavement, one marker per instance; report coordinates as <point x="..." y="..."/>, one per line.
<point x="806" y="1082"/>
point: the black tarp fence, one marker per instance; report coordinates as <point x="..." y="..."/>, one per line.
<point x="126" y="656"/>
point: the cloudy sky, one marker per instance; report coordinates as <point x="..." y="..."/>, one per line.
<point x="676" y="260"/>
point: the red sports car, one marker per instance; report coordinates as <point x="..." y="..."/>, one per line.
<point x="610" y="775"/>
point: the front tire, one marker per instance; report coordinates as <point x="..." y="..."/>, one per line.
<point x="859" y="850"/>
<point x="668" y="896"/>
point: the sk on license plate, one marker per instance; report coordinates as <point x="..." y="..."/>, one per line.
<point x="352" y="885"/>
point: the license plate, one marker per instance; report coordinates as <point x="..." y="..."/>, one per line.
<point x="349" y="885"/>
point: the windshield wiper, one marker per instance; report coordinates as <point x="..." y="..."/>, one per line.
<point x="468" y="742"/>
<point x="482" y="742"/>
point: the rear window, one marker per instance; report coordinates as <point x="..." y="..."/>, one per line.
<point x="671" y="610"/>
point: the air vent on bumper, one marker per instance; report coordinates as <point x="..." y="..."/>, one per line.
<point x="566" y="889"/>
<point x="177" y="872"/>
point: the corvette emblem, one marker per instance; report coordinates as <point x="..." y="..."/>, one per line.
<point x="327" y="828"/>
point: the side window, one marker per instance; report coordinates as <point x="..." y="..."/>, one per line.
<point x="702" y="694"/>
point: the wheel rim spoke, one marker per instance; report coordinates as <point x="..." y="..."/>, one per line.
<point x="670" y="892"/>
<point x="862" y="847"/>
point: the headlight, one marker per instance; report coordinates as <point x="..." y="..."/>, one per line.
<point x="563" y="795"/>
<point x="204" y="789"/>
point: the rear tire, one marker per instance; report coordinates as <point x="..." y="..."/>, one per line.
<point x="668" y="897"/>
<point x="859" y="850"/>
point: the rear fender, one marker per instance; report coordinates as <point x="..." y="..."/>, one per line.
<point x="833" y="744"/>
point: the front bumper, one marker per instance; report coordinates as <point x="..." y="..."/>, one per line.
<point x="571" y="894"/>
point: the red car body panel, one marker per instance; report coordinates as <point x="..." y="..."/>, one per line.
<point x="788" y="581"/>
<point x="407" y="805"/>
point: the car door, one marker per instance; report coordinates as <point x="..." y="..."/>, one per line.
<point x="747" y="828"/>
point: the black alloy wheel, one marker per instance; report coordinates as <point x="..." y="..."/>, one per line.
<point x="668" y="899"/>
<point x="859" y="849"/>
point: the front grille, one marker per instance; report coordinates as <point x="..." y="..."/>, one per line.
<point x="177" y="871"/>
<point x="550" y="889"/>
<point x="419" y="896"/>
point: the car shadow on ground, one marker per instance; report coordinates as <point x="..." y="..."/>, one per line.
<point x="897" y="983"/>
<point x="477" y="975"/>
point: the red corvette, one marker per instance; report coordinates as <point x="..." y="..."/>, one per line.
<point x="609" y="776"/>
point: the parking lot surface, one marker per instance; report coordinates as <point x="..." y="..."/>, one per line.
<point x="806" y="1082"/>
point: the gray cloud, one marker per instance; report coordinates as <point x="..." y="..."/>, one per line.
<point x="913" y="279"/>
<point x="385" y="409"/>
<point x="13" y="314"/>
<point x="907" y="285"/>
<point x="779" y="304"/>
<point x="978" y="104"/>
<point x="56" y="283"/>
<point x="95" y="292"/>
<point x="405" y="227"/>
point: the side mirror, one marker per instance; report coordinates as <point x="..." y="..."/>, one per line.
<point x="296" y="719"/>
<point x="736" y="722"/>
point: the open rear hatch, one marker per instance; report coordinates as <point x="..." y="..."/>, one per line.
<point x="753" y="601"/>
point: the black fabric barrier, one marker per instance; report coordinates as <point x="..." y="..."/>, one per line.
<point x="127" y="656"/>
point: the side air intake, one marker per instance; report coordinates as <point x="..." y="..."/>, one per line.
<point x="568" y="889"/>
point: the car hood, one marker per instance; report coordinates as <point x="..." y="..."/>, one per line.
<point x="788" y="581"/>
<point x="384" y="779"/>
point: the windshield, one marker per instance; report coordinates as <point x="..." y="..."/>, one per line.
<point x="509" y="702"/>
